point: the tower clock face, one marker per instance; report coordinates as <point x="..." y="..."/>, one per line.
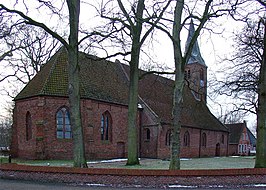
<point x="194" y="53"/>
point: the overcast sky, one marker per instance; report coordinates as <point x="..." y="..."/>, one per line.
<point x="214" y="47"/>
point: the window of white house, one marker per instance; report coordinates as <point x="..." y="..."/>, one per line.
<point x="63" y="127"/>
<point x="242" y="148"/>
<point x="239" y="148"/>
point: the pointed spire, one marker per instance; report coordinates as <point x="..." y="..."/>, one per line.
<point x="195" y="54"/>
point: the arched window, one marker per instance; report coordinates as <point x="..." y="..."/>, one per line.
<point x="186" y="139"/>
<point x="63" y="127"/>
<point x="106" y="124"/>
<point x="148" y="134"/>
<point x="203" y="140"/>
<point x="201" y="74"/>
<point x="222" y="139"/>
<point x="28" y="126"/>
<point x="168" y="138"/>
<point x="188" y="74"/>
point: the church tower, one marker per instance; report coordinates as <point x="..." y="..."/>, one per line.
<point x="196" y="69"/>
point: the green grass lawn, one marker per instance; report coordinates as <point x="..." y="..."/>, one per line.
<point x="219" y="163"/>
<point x="63" y="163"/>
<point x="195" y="163"/>
<point x="3" y="159"/>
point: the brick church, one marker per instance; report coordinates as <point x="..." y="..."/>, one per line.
<point x="42" y="128"/>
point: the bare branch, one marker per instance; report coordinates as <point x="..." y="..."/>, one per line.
<point x="125" y="13"/>
<point x="155" y="72"/>
<point x="262" y="2"/>
<point x="30" y="21"/>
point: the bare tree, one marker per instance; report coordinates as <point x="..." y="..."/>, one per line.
<point x="211" y="9"/>
<point x="242" y="76"/>
<point x="73" y="7"/>
<point x="134" y="22"/>
<point x="5" y="131"/>
<point x="6" y="127"/>
<point x="247" y="82"/>
<point x="231" y="117"/>
<point x="180" y="62"/>
<point x="261" y="116"/>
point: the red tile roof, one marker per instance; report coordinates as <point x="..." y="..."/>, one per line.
<point x="99" y="79"/>
<point x="107" y="81"/>
<point x="236" y="130"/>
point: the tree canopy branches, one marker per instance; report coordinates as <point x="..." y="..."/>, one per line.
<point x="242" y="77"/>
<point x="25" y="49"/>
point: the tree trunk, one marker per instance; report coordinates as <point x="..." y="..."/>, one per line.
<point x="261" y="115"/>
<point x="132" y="110"/>
<point x="73" y="88"/>
<point x="177" y="108"/>
<point x="178" y="88"/>
<point x="133" y="87"/>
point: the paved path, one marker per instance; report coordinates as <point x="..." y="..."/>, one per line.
<point x="30" y="185"/>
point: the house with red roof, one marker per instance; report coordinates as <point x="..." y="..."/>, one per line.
<point x="241" y="140"/>
<point x="42" y="127"/>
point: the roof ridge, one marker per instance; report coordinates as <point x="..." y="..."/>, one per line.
<point x="250" y="132"/>
<point x="149" y="108"/>
<point x="123" y="69"/>
<point x="234" y="124"/>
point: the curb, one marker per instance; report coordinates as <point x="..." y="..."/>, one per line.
<point x="133" y="172"/>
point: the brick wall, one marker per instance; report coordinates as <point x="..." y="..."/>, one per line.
<point x="45" y="145"/>
<point x="233" y="149"/>
<point x="94" y="146"/>
<point x="194" y="149"/>
<point x="25" y="148"/>
<point x="149" y="146"/>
